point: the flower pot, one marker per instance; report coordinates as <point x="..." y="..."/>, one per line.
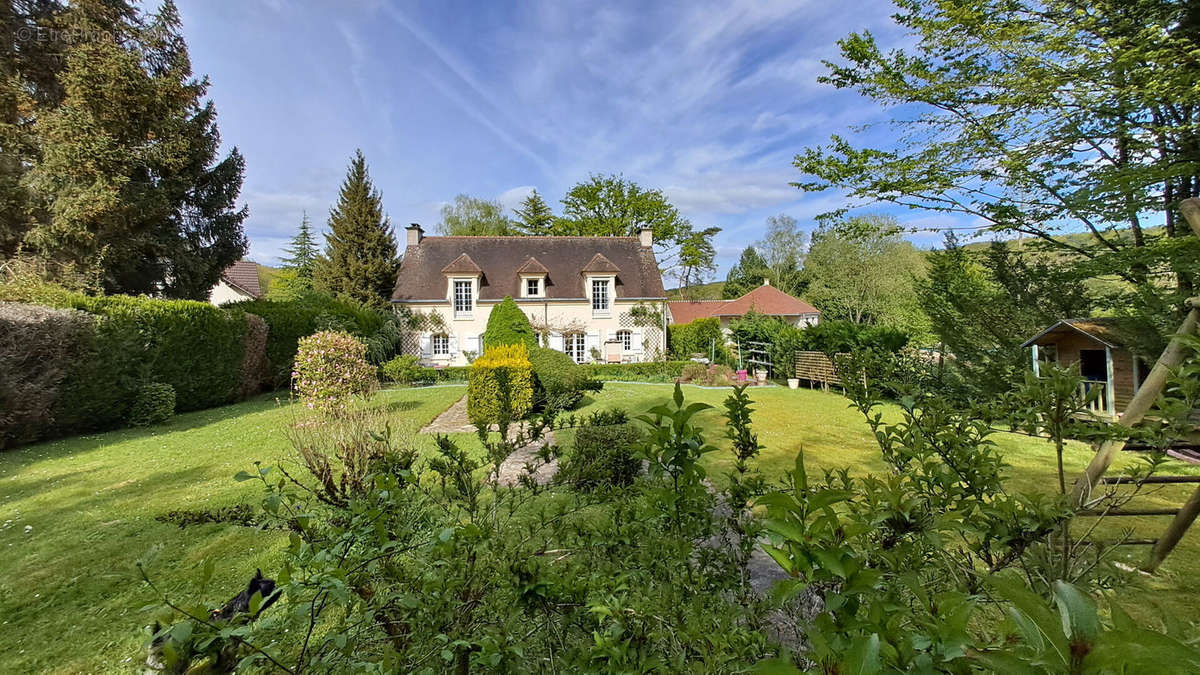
<point x="761" y="376"/>
<point x="793" y="383"/>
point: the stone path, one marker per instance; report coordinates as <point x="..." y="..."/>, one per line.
<point x="454" y="421"/>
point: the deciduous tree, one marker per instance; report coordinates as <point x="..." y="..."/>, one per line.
<point x="474" y="217"/>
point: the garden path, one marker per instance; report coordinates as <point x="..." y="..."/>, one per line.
<point x="454" y="421"/>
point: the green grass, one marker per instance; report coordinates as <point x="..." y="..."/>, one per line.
<point x="70" y="596"/>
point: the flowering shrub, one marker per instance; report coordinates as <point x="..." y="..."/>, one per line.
<point x="331" y="368"/>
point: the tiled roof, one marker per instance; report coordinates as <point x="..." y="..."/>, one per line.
<point x="462" y="265"/>
<point x="600" y="265"/>
<point x="1102" y="329"/>
<point x="243" y="275"/>
<point x="532" y="266"/>
<point x="764" y="300"/>
<point x="501" y="259"/>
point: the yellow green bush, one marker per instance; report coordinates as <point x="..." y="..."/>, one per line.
<point x="500" y="385"/>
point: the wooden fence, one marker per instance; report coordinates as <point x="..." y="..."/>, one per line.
<point x="817" y="368"/>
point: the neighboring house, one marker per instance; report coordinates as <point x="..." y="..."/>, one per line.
<point x="577" y="292"/>
<point x="239" y="281"/>
<point x="765" y="299"/>
<point x="1104" y="361"/>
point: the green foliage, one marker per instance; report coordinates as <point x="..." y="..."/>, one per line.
<point x="702" y="336"/>
<point x="647" y="371"/>
<point x="834" y="337"/>
<point x="360" y="259"/>
<point x="300" y="264"/>
<point x="154" y="404"/>
<point x="508" y="325"/>
<point x="291" y="320"/>
<point x="405" y="369"/>
<point x="783" y="340"/>
<point x="473" y="217"/>
<point x="985" y="80"/>
<point x="746" y="274"/>
<point x="331" y="369"/>
<point x="534" y="217"/>
<point x="500" y="389"/>
<point x="603" y="457"/>
<point x="863" y="271"/>
<point x="674" y="446"/>
<point x="559" y="382"/>
<point x="707" y="375"/>
<point x="39" y="346"/>
<point x="116" y="171"/>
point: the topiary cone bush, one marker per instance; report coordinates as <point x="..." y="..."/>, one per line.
<point x="331" y="369"/>
<point x="508" y="325"/>
<point x="500" y="386"/>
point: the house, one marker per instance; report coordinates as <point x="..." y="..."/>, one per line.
<point x="239" y="281"/>
<point x="765" y="299"/>
<point x="1103" y="358"/>
<point x="579" y="292"/>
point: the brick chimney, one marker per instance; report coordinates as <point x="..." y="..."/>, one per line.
<point x="766" y="281"/>
<point x="415" y="234"/>
<point x="646" y="235"/>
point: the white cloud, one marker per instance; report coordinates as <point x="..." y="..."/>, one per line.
<point x="512" y="197"/>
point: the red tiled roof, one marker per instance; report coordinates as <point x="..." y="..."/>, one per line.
<point x="767" y="300"/>
<point x="688" y="311"/>
<point x="243" y="275"/>
<point x="764" y="300"/>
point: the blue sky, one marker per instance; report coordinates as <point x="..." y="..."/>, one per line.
<point x="708" y="101"/>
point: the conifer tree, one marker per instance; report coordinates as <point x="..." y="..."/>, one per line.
<point x="360" y="260"/>
<point x="534" y="216"/>
<point x="746" y="275"/>
<point x="302" y="251"/>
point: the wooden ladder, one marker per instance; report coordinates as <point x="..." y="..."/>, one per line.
<point x="1138" y="406"/>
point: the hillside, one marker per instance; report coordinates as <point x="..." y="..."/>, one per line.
<point x="710" y="291"/>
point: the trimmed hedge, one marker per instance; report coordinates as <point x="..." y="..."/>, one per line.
<point x="650" y="371"/>
<point x="200" y="351"/>
<point x="698" y="337"/>
<point x="155" y="403"/>
<point x="508" y="325"/>
<point x="290" y="320"/>
<point x="560" y="382"/>
<point x="603" y="457"/>
<point x="500" y="386"/>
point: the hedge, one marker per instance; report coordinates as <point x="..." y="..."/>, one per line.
<point x="290" y="320"/>
<point x="508" y="325"/>
<point x="650" y="371"/>
<point x="98" y="366"/>
<point x="702" y="336"/>
<point x="500" y="386"/>
<point x="603" y="457"/>
<point x="559" y="381"/>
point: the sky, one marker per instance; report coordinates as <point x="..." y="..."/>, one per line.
<point x="707" y="101"/>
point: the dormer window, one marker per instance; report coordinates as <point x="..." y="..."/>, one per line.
<point x="463" y="298"/>
<point x="601" y="296"/>
<point x="533" y="287"/>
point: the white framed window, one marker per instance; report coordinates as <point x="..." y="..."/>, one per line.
<point x="463" y="298"/>
<point x="600" y="299"/>
<point x="625" y="337"/>
<point x="575" y="346"/>
<point x="441" y="344"/>
<point x="533" y="288"/>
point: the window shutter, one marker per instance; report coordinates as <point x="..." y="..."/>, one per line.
<point x="637" y="343"/>
<point x="593" y="342"/>
<point x="472" y="344"/>
<point x="426" y="347"/>
<point x="453" y="345"/>
<point x="556" y="342"/>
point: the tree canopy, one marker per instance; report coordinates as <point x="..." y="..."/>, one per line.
<point x="1041" y="118"/>
<point x="534" y="217"/>
<point x="475" y="217"/>
<point x="746" y="274"/>
<point x="110" y="159"/>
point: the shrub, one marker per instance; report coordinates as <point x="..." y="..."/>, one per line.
<point x="500" y="388"/>
<point x="405" y="369"/>
<point x="693" y="371"/>
<point x="707" y="375"/>
<point x="702" y="336"/>
<point x="560" y="382"/>
<point x="255" y="368"/>
<point x="603" y="456"/>
<point x="836" y="337"/>
<point x="331" y="368"/>
<point x="38" y="346"/>
<point x="508" y="325"/>
<point x="783" y="340"/>
<point x="155" y="403"/>
<point x="649" y="371"/>
<point x="290" y="320"/>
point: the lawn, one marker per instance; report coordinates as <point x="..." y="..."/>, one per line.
<point x="76" y="514"/>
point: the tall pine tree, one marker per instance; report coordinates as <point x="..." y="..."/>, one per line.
<point x="360" y="260"/>
<point x="125" y="181"/>
<point x="534" y="216"/>
<point x="302" y="252"/>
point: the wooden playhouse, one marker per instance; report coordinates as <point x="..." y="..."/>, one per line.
<point x="1104" y="360"/>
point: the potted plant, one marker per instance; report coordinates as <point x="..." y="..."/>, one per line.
<point x="793" y="383"/>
